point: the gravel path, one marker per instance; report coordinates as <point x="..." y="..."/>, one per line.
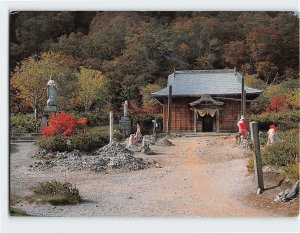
<point x="203" y="176"/>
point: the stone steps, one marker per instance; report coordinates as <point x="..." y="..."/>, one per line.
<point x="200" y="134"/>
<point x="22" y="141"/>
<point x="205" y="134"/>
<point x="23" y="138"/>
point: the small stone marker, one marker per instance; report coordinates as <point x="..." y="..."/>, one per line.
<point x="111" y="122"/>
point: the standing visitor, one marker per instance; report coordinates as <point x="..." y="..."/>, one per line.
<point x="242" y="127"/>
<point x="272" y="135"/>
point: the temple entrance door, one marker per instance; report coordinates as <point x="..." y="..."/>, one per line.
<point x="207" y="123"/>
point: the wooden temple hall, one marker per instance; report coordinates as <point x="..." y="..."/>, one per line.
<point x="204" y="100"/>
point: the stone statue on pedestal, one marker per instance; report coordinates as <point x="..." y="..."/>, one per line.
<point x="126" y="108"/>
<point x="51" y="93"/>
<point x="125" y="122"/>
<point x="51" y="102"/>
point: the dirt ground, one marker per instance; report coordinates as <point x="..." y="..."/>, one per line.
<point x="203" y="176"/>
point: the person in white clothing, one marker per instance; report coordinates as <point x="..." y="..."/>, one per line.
<point x="272" y="135"/>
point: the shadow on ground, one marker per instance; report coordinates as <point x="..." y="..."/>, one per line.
<point x="13" y="148"/>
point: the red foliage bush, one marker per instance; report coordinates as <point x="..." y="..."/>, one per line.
<point x="62" y="123"/>
<point x="278" y="103"/>
<point x="82" y="121"/>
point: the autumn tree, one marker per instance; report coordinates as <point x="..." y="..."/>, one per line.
<point x="133" y="49"/>
<point x="31" y="75"/>
<point x="150" y="104"/>
<point x="92" y="86"/>
<point x="262" y="43"/>
<point x="140" y="62"/>
<point x="278" y="97"/>
<point x="235" y="54"/>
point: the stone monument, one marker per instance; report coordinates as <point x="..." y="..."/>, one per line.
<point x="51" y="102"/>
<point x="51" y="94"/>
<point x="125" y="122"/>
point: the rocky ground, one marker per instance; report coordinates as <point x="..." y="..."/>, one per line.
<point x="110" y="157"/>
<point x="204" y="176"/>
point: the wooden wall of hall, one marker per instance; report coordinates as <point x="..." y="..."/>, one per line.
<point x="182" y="118"/>
<point x="229" y="115"/>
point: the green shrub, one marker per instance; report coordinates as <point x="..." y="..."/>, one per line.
<point x="22" y="123"/>
<point x="146" y="123"/>
<point x="56" y="193"/>
<point x="292" y="171"/>
<point x="284" y="153"/>
<point x="288" y="88"/>
<point x="85" y="141"/>
<point x="119" y="133"/>
<point x="53" y="143"/>
<point x="94" y="118"/>
<point x="284" y="119"/>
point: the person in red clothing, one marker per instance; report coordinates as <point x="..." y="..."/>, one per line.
<point x="242" y="129"/>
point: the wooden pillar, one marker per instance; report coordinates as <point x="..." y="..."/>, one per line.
<point x="256" y="157"/>
<point x="245" y="109"/>
<point x="242" y="96"/>
<point x="244" y="103"/>
<point x="169" y="112"/>
<point x="217" y="121"/>
<point x="195" y="120"/>
<point x="175" y="123"/>
<point x="164" y="117"/>
<point x="180" y="122"/>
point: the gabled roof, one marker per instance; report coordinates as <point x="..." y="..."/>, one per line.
<point x="202" y="82"/>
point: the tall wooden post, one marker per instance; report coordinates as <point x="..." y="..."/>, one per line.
<point x="111" y="122"/>
<point x="244" y="103"/>
<point x="217" y="121"/>
<point x="169" y="112"/>
<point x="242" y="96"/>
<point x="195" y="121"/>
<point x="256" y="156"/>
<point x="245" y="109"/>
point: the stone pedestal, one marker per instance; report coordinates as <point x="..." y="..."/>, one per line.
<point x="46" y="114"/>
<point x="125" y="124"/>
<point x="44" y="120"/>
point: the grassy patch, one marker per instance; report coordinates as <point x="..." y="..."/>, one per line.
<point x="14" y="199"/>
<point x="55" y="193"/>
<point x="17" y="212"/>
<point x="103" y="130"/>
<point x="250" y="165"/>
<point x="292" y="171"/>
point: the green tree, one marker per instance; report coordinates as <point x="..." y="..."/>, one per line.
<point x="92" y="86"/>
<point x="146" y="91"/>
<point x="31" y="75"/>
<point x="33" y="32"/>
<point x="73" y="44"/>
